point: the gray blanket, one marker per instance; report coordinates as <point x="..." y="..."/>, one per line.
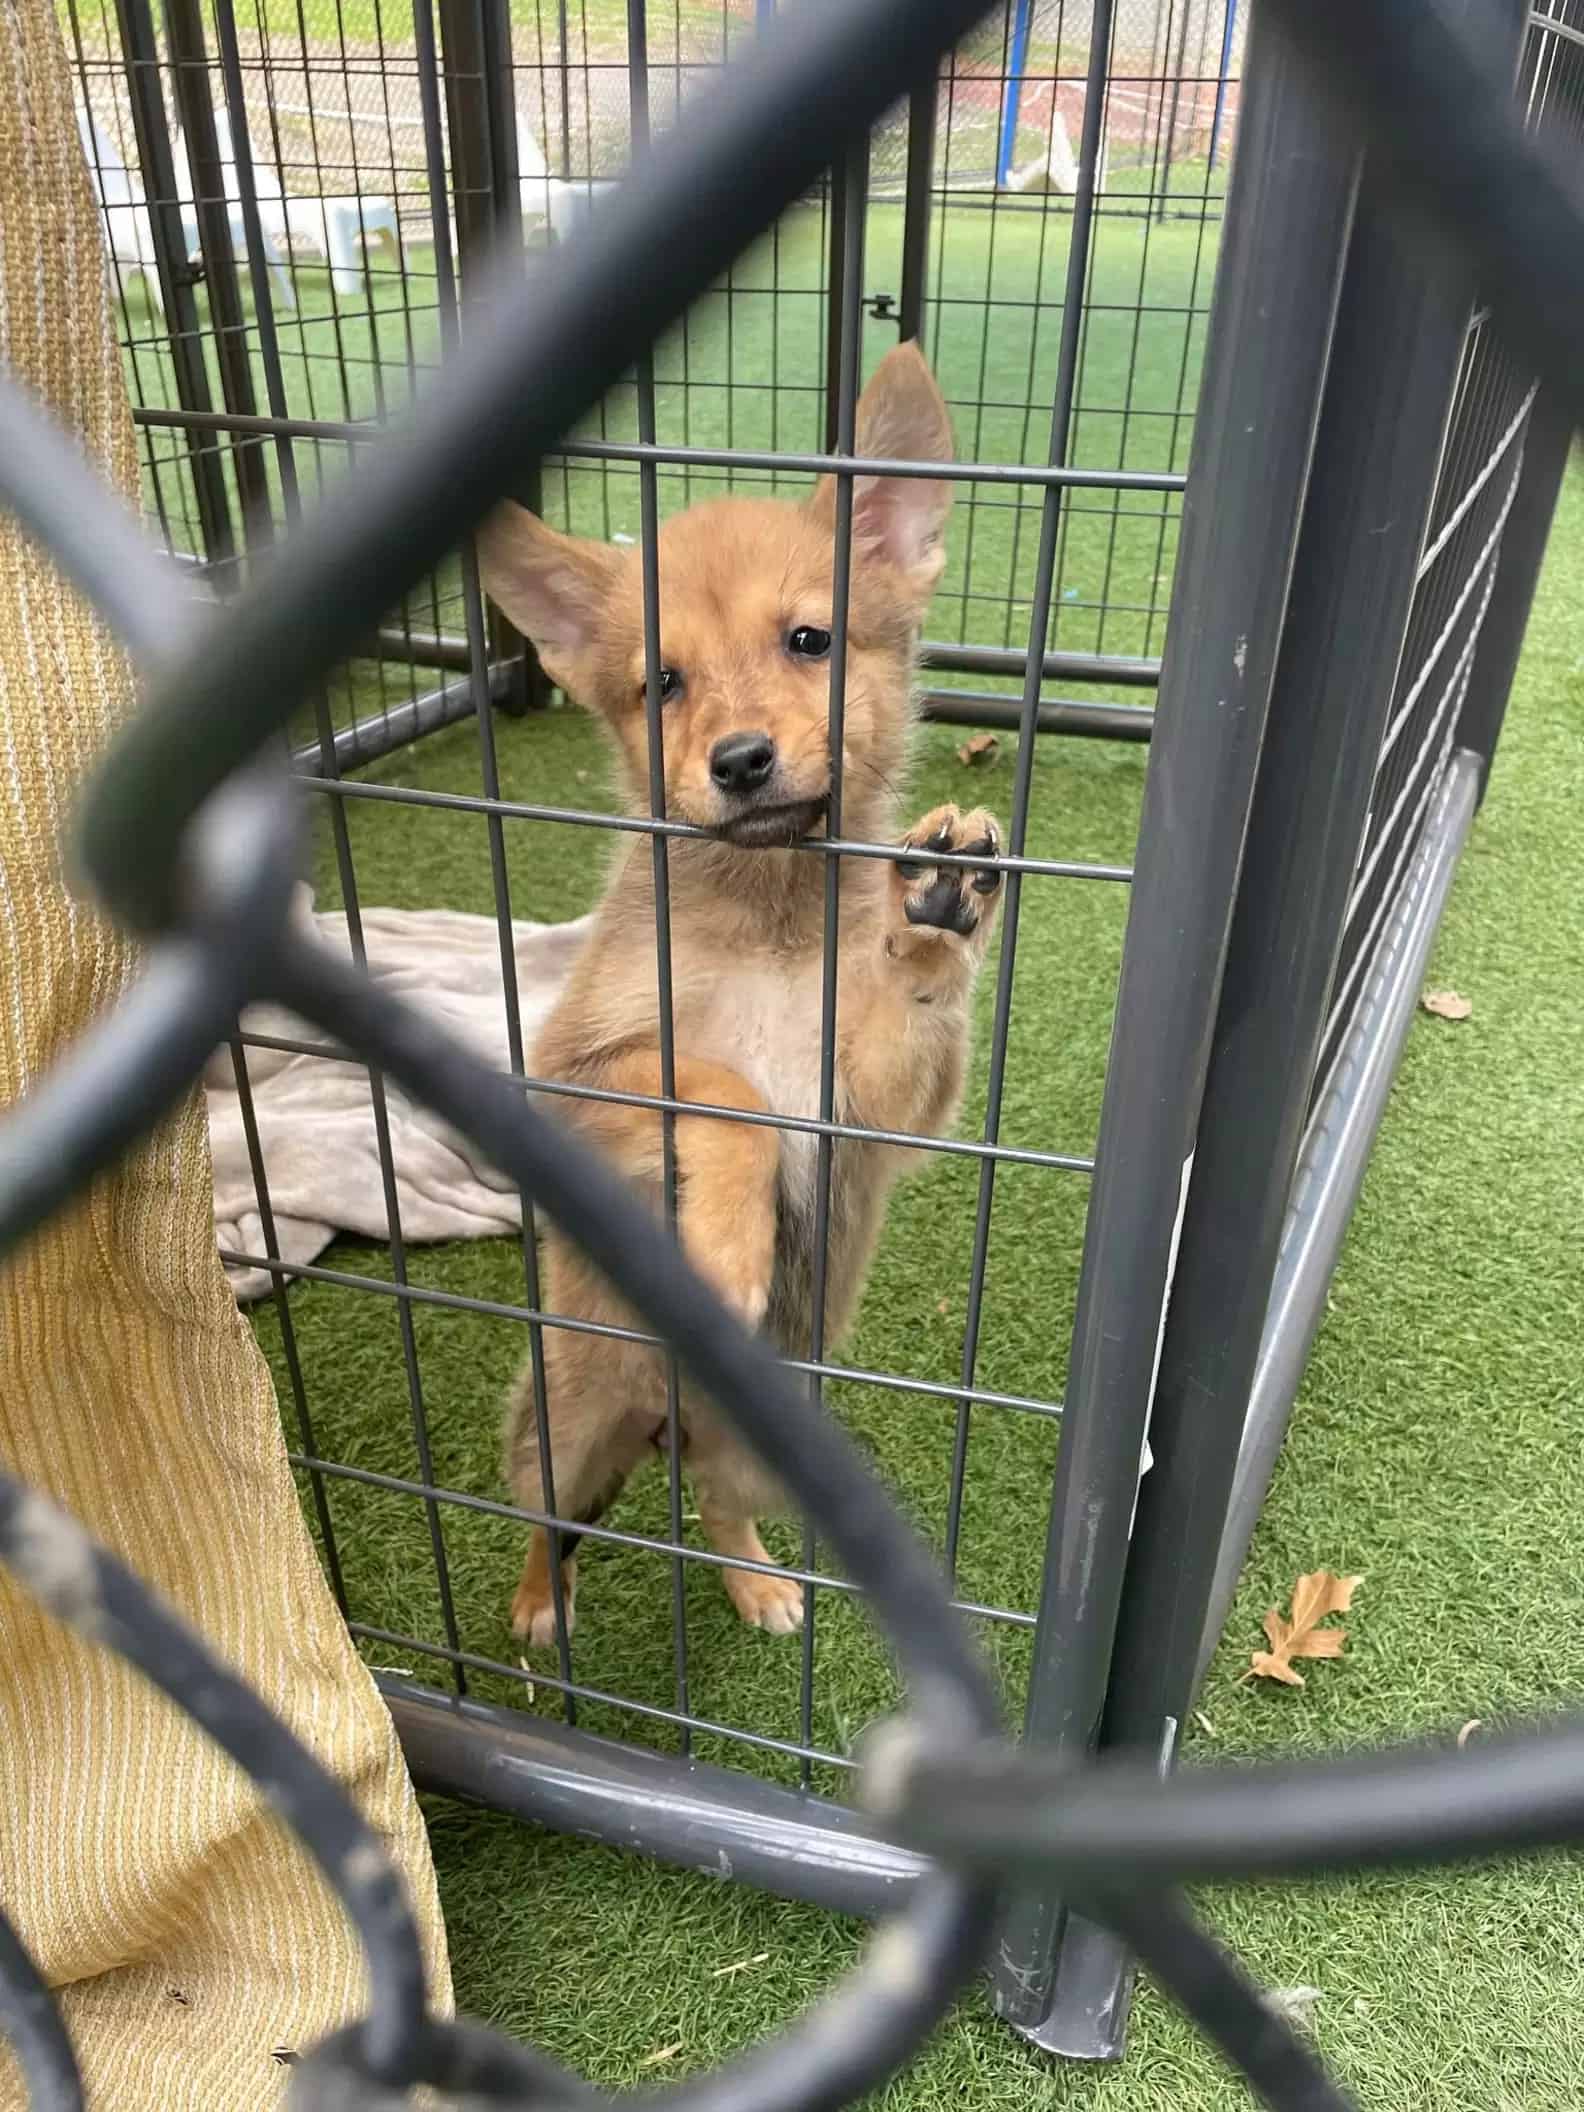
<point x="315" y="1115"/>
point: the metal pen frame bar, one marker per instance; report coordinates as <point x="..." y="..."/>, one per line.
<point x="711" y="1819"/>
<point x="1276" y="297"/>
<point x="1071" y="715"/>
<point x="176" y="275"/>
<point x="194" y="97"/>
<point x="1395" y="352"/>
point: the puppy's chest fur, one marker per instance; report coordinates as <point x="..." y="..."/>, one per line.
<point x="761" y="1016"/>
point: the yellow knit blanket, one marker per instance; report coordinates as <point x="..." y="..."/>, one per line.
<point x="194" y="1943"/>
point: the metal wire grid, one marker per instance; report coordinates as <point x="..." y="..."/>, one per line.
<point x="347" y="726"/>
<point x="1475" y="488"/>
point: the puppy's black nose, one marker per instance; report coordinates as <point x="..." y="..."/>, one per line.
<point x="742" y="761"/>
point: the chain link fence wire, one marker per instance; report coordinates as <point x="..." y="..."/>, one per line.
<point x="195" y="844"/>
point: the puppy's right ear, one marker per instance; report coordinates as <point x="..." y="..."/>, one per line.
<point x="552" y="586"/>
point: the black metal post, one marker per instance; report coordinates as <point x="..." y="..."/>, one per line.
<point x="1075" y="715"/>
<point x="923" y="105"/>
<point x="1394" y="359"/>
<point x="1276" y="295"/>
<point x="151" y="129"/>
<point x="849" y="194"/>
<point x="189" y="57"/>
<point x="1547" y="440"/>
<point x="481" y="114"/>
<point x="1054" y="667"/>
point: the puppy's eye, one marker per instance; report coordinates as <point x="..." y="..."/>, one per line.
<point x="808" y="642"/>
<point x="670" y="685"/>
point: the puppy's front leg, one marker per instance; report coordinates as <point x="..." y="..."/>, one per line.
<point x="905" y="1031"/>
<point x="726" y="1171"/>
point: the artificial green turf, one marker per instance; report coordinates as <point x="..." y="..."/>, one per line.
<point x="1436" y="1445"/>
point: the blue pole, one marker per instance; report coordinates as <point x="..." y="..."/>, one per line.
<point x="1012" y="95"/>
<point x="1221" y="79"/>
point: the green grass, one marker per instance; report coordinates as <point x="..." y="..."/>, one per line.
<point x="1437" y="1439"/>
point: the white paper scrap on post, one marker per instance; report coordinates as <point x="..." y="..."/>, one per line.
<point x="1148" y="1458"/>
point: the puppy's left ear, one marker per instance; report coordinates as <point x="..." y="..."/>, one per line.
<point x="899" y="520"/>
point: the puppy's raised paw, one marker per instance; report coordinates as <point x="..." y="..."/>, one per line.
<point x="935" y="902"/>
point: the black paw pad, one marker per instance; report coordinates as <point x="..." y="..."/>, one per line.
<point x="943" y="905"/>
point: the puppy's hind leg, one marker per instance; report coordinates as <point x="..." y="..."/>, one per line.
<point x="595" y="1442"/>
<point x="731" y="1487"/>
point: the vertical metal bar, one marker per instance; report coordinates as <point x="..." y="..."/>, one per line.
<point x="923" y="104"/>
<point x="253" y="229"/>
<point x="1176" y="102"/>
<point x="530" y="687"/>
<point x="566" y="91"/>
<point x="1265" y="363"/>
<point x="1228" y="32"/>
<point x="482" y="121"/>
<point x="850" y="181"/>
<point x="190" y="72"/>
<point x="1546" y="443"/>
<point x="151" y="129"/>
<point x="1051" y="515"/>
<point x="835" y="260"/>
<point x="1012" y="92"/>
<point x="649" y="505"/>
<point x="1394" y="359"/>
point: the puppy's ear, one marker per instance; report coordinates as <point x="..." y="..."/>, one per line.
<point x="899" y="520"/>
<point x="552" y="586"/>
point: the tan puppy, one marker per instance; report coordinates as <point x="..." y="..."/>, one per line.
<point x="745" y="621"/>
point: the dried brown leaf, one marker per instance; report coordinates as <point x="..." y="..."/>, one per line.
<point x="1446" y="1004"/>
<point x="1262" y="1665"/>
<point x="1319" y="1642"/>
<point x="1298" y="1633"/>
<point x="661" y="2053"/>
<point x="981" y="749"/>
